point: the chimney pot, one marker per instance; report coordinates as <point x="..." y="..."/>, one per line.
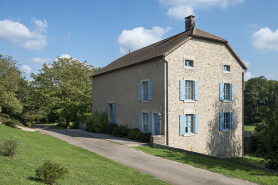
<point x="189" y="22"/>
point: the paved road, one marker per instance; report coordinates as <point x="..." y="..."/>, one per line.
<point x="166" y="170"/>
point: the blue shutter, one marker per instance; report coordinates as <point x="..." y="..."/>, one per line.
<point x="233" y="92"/>
<point x="196" y="122"/>
<point x="232" y="121"/>
<point x="182" y="90"/>
<point x="140" y="121"/>
<point x="106" y="109"/>
<point x="139" y="92"/>
<point x="149" y="90"/>
<point x="221" y="91"/>
<point x="182" y="124"/>
<point x="221" y="125"/>
<point x="196" y="85"/>
<point x="150" y="122"/>
<point x="113" y="113"/>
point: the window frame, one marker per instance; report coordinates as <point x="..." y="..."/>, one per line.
<point x="142" y="90"/>
<point x="227" y="121"/>
<point x="226" y="68"/>
<point x="192" y="90"/>
<point x="147" y="115"/>
<point x="187" y="122"/>
<point x="227" y="90"/>
<point x="188" y="58"/>
<point x="190" y="62"/>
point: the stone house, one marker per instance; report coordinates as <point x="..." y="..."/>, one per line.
<point x="187" y="90"/>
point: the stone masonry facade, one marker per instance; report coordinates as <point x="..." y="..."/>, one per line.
<point x="209" y="58"/>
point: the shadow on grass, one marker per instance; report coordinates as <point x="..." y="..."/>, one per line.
<point x="36" y="179"/>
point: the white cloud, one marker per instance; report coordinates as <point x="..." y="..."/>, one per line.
<point x="17" y="32"/>
<point x="265" y="39"/>
<point x="272" y="76"/>
<point x="41" y="60"/>
<point x="140" y="37"/>
<point x="182" y="8"/>
<point x="247" y="63"/>
<point x="63" y="56"/>
<point x="26" y="69"/>
<point x="247" y="76"/>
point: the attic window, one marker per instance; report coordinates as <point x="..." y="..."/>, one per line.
<point x="189" y="63"/>
<point x="227" y="68"/>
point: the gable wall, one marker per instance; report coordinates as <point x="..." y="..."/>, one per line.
<point x="209" y="58"/>
<point x="121" y="87"/>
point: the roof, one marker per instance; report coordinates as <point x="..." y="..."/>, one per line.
<point x="163" y="48"/>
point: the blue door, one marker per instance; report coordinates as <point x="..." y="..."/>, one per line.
<point x="157" y="124"/>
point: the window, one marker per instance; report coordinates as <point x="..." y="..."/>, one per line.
<point x="227" y="92"/>
<point x="145" y="90"/>
<point x="189" y="124"/>
<point x="145" y="122"/>
<point x="226" y="68"/>
<point x="188" y="63"/>
<point x="227" y="121"/>
<point x="189" y="90"/>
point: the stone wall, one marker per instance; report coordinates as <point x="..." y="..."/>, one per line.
<point x="209" y="58"/>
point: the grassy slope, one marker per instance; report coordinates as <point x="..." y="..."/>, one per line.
<point x="85" y="167"/>
<point x="250" y="158"/>
<point x="249" y="128"/>
<point x="227" y="168"/>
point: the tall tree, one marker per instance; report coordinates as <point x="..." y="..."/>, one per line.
<point x="64" y="87"/>
<point x="10" y="76"/>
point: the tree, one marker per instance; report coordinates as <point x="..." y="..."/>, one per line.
<point x="64" y="87"/>
<point x="10" y="76"/>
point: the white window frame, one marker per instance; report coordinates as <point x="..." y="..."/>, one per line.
<point x="226" y="64"/>
<point x="142" y="118"/>
<point x="193" y="123"/>
<point x="229" y="92"/>
<point x="191" y="58"/>
<point x="142" y="90"/>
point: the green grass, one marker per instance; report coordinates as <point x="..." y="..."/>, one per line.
<point x="219" y="166"/>
<point x="249" y="128"/>
<point x="250" y="158"/>
<point x="85" y="167"/>
<point x="51" y="124"/>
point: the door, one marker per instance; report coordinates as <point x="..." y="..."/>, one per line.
<point x="157" y="124"/>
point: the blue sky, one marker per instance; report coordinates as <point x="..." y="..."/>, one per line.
<point x="100" y="31"/>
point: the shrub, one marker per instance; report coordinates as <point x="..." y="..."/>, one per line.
<point x="4" y="116"/>
<point x="146" y="137"/>
<point x="110" y="127"/>
<point x="135" y="134"/>
<point x="97" y="122"/>
<point x="121" y="130"/>
<point x="272" y="164"/>
<point x="9" y="147"/>
<point x="10" y="123"/>
<point x="29" y="125"/>
<point x="50" y="172"/>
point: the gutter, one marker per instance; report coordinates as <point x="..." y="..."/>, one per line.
<point x="243" y="89"/>
<point x="166" y="112"/>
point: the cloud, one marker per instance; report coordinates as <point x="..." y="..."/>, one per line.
<point x="63" y="56"/>
<point x="247" y="76"/>
<point x="247" y="63"/>
<point x="17" y="32"/>
<point x="140" y="37"/>
<point x="41" y="60"/>
<point x="272" y="76"/>
<point x="181" y="8"/>
<point x="26" y="69"/>
<point x="265" y="39"/>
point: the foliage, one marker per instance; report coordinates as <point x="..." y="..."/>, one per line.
<point x="29" y="125"/>
<point x="97" y="122"/>
<point x="110" y="127"/>
<point x="50" y="172"/>
<point x="65" y="87"/>
<point x="10" y="76"/>
<point x="4" y="116"/>
<point x="259" y="94"/>
<point x="121" y="130"/>
<point x="135" y="134"/>
<point x="10" y="123"/>
<point x="146" y="137"/>
<point x="9" y="147"/>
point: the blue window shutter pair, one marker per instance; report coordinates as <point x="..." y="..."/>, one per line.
<point x="150" y="122"/>
<point x="140" y="121"/>
<point x="182" y="124"/>
<point x="232" y="92"/>
<point x="221" y="92"/>
<point x="113" y="113"/>
<point x="232" y="121"/>
<point x="106" y="110"/>
<point x="221" y="125"/>
<point x="149" y="90"/>
<point x="182" y="90"/>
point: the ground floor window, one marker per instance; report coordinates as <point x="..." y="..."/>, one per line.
<point x="227" y="121"/>
<point x="189" y="123"/>
<point x="145" y="122"/>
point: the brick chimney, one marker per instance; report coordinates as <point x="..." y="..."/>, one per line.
<point x="189" y="22"/>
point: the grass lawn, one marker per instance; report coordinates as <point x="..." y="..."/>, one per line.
<point x="249" y="128"/>
<point x="224" y="167"/>
<point x="250" y="158"/>
<point x="85" y="167"/>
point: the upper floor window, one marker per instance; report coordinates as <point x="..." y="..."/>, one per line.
<point x="226" y="92"/>
<point x="227" y="68"/>
<point x="188" y="63"/>
<point x="189" y="90"/>
<point x="145" y="90"/>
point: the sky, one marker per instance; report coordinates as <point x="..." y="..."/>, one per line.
<point x="100" y="31"/>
